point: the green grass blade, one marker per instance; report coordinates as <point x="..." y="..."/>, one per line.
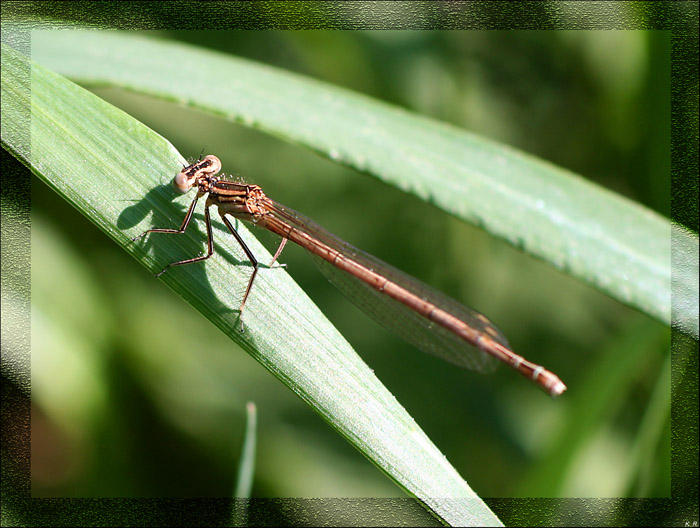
<point x="116" y="171"/>
<point x="608" y="241"/>
<point x="246" y="466"/>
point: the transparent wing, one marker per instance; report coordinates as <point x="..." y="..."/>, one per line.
<point x="392" y="314"/>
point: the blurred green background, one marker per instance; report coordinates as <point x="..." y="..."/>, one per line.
<point x="134" y="394"/>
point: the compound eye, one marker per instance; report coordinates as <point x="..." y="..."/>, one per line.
<point x="214" y="164"/>
<point x="182" y="183"/>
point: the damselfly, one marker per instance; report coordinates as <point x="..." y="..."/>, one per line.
<point x="421" y="315"/>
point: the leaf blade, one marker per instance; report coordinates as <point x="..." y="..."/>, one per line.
<point x="109" y="160"/>
<point x="604" y="239"/>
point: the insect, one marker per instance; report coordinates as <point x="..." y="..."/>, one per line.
<point x="416" y="312"/>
